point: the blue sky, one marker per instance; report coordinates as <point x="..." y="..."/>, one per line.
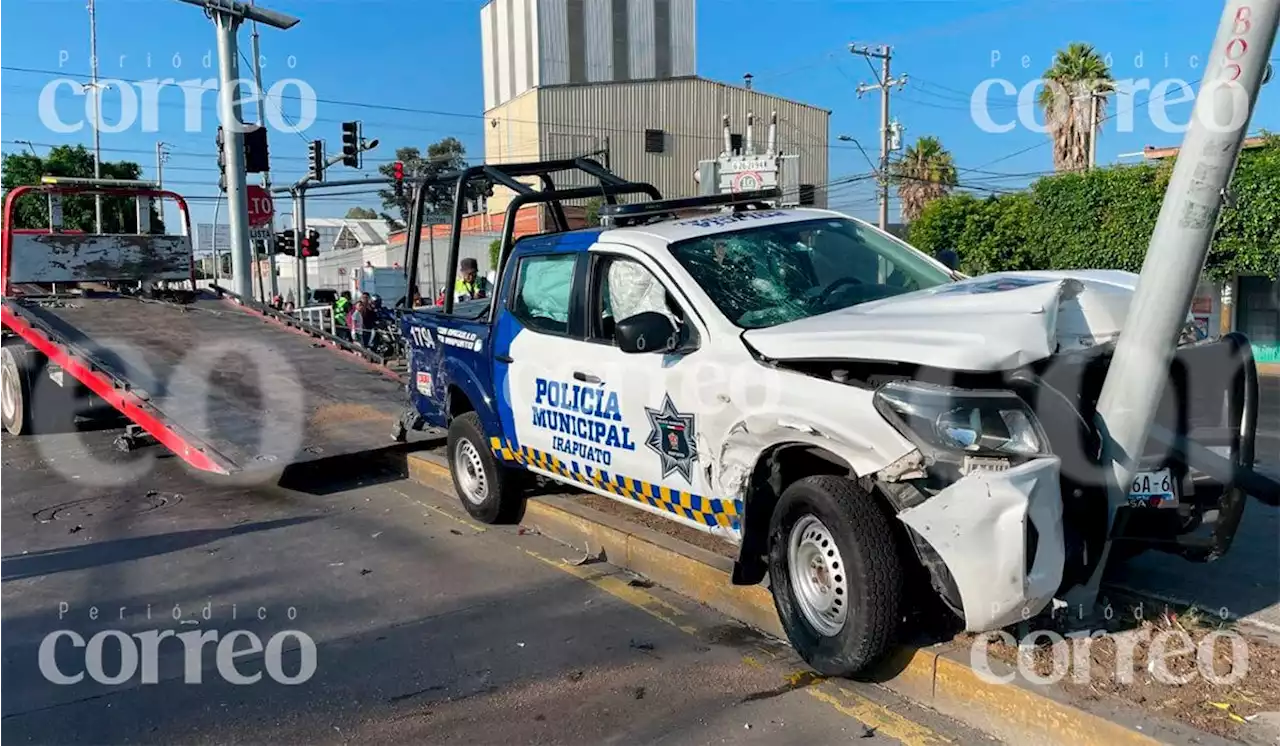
<point x="424" y="55"/>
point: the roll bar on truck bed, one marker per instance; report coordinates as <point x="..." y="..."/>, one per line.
<point x="609" y="186"/>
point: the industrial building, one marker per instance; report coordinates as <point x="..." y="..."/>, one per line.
<point x="617" y="79"/>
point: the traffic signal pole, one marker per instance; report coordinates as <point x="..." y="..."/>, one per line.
<point x="227" y="16"/>
<point x="1175" y="258"/>
<point x="233" y="152"/>
<point x="299" y="193"/>
<point x="299" y="236"/>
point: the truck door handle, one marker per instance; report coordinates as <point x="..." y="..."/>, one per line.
<point x="503" y="359"/>
<point x="585" y="377"/>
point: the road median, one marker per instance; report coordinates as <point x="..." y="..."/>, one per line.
<point x="939" y="676"/>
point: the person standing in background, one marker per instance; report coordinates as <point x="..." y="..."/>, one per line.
<point x="341" y="309"/>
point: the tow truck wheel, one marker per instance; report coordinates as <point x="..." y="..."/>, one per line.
<point x="15" y="390"/>
<point x="835" y="574"/>
<point x="491" y="493"/>
<point x="30" y="402"/>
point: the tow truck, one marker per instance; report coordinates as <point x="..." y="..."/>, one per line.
<point x="846" y="410"/>
<point x="226" y="384"/>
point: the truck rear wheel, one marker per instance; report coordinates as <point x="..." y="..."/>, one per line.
<point x="490" y="492"/>
<point x="15" y="390"/>
<point x="30" y="402"/>
<point x="835" y="573"/>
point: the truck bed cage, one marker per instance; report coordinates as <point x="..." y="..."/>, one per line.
<point x="664" y="209"/>
<point x="609" y="186"/>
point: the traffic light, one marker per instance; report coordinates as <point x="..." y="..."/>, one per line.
<point x="285" y="242"/>
<point x="256" y="158"/>
<point x="397" y="173"/>
<point x="351" y="144"/>
<point x="315" y="156"/>
<point x="222" y="161"/>
<point x="311" y="244"/>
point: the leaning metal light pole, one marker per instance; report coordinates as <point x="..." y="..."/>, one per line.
<point x="227" y="16"/>
<point x="1175" y="258"/>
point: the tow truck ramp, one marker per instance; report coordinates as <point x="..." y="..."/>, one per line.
<point x="224" y="385"/>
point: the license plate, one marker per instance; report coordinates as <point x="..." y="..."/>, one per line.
<point x="1153" y="489"/>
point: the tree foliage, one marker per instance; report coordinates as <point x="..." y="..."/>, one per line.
<point x="926" y="172"/>
<point x="441" y="157"/>
<point x="1078" y="74"/>
<point x="592" y="212"/>
<point x="361" y="213"/>
<point x="119" y="214"/>
<point x="1103" y="219"/>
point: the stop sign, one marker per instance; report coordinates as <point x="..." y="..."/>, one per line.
<point x="261" y="208"/>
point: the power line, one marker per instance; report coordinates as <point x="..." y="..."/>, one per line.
<point x="417" y="111"/>
<point x="1049" y="141"/>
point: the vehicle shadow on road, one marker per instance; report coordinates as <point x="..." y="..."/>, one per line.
<point x="64" y="559"/>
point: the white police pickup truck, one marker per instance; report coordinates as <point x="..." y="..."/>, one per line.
<point x="845" y="409"/>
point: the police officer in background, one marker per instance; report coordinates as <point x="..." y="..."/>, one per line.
<point x="470" y="285"/>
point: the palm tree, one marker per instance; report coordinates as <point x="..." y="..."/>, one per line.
<point x="1078" y="74"/>
<point x="926" y="172"/>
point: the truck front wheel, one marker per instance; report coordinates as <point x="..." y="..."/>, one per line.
<point x="490" y="492"/>
<point x="835" y="573"/>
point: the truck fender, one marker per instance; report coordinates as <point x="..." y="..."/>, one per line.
<point x="748" y="468"/>
<point x="463" y="379"/>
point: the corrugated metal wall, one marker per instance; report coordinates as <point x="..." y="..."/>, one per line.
<point x="689" y="111"/>
<point x="528" y="43"/>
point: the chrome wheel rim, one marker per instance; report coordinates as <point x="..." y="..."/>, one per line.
<point x="819" y="579"/>
<point x="9" y="394"/>
<point x="470" y="473"/>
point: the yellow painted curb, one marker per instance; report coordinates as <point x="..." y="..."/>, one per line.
<point x="1008" y="711"/>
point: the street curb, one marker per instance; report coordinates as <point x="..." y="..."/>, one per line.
<point x="941" y="680"/>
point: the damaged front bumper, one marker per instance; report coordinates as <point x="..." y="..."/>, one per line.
<point x="1000" y="535"/>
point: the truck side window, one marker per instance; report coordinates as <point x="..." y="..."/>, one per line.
<point x="623" y="289"/>
<point x="544" y="289"/>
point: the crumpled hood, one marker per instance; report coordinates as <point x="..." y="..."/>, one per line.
<point x="993" y="322"/>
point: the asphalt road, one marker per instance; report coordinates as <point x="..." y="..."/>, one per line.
<point x="426" y="627"/>
<point x="1246" y="582"/>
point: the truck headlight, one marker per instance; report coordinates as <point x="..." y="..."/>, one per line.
<point x="970" y="421"/>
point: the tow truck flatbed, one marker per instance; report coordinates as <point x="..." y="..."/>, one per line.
<point x="145" y="349"/>
<point x="226" y="385"/>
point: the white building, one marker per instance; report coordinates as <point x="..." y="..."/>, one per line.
<point x="346" y="245"/>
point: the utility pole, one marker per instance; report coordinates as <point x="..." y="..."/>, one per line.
<point x="162" y="155"/>
<point x="885" y="82"/>
<point x="227" y="16"/>
<point x="1139" y="371"/>
<point x="266" y="175"/>
<point x="1093" y="130"/>
<point x="97" y="113"/>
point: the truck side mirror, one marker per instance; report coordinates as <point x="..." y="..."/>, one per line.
<point x="646" y="332"/>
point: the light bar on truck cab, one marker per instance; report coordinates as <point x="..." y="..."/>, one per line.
<point x="112" y="183"/>
<point x="620" y="215"/>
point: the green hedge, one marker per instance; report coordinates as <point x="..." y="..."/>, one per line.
<point x="1104" y="219"/>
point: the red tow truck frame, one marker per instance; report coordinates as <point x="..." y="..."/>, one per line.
<point x="349" y="404"/>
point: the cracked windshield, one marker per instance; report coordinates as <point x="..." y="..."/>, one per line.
<point x="679" y="372"/>
<point x="766" y="276"/>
